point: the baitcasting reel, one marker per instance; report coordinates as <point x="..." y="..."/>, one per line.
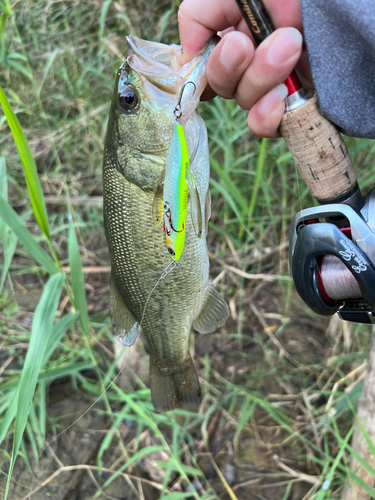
<point x="332" y="258"/>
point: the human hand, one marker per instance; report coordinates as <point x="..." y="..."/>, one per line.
<point x="236" y="69"/>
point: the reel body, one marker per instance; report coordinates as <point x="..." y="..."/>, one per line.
<point x="332" y="259"/>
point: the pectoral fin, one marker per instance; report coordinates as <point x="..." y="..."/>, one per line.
<point x="214" y="312"/>
<point x="196" y="212"/>
<point x="124" y="324"/>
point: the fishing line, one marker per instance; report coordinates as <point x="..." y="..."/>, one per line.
<point x="84" y="413"/>
<point x="338" y="282"/>
<point x="77" y="420"/>
<point x="172" y="265"/>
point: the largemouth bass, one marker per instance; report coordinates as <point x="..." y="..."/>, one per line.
<point x="148" y="289"/>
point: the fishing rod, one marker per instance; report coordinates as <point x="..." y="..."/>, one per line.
<point x="332" y="247"/>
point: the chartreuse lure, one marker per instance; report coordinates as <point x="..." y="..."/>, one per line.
<point x="179" y="186"/>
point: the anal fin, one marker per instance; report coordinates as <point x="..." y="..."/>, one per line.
<point x="214" y="312"/>
<point x="175" y="388"/>
<point x="124" y="324"/>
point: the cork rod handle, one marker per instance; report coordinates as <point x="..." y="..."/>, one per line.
<point x="318" y="151"/>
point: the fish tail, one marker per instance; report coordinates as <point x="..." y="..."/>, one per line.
<point x="177" y="388"/>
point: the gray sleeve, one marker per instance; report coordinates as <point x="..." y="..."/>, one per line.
<point x="340" y="40"/>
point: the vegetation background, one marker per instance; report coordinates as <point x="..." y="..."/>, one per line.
<point x="280" y="384"/>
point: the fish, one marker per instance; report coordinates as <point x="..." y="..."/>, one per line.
<point x="148" y="289"/>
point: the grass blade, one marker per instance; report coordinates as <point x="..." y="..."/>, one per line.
<point x="258" y="176"/>
<point x="231" y="203"/>
<point x="26" y="238"/>
<point x="177" y="495"/>
<point x="78" y="281"/>
<point x="2" y="35"/>
<point x="103" y="17"/>
<point x="39" y="339"/>
<point x="9" y="416"/>
<point x="3" y="179"/>
<point x="229" y="185"/>
<point x="8" y="238"/>
<point x="163" y="23"/>
<point x="58" y="331"/>
<point x="28" y="163"/>
<point x="50" y="62"/>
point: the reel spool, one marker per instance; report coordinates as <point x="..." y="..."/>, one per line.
<point x="332" y="259"/>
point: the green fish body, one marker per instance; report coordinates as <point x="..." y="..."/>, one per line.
<point x="148" y="289"/>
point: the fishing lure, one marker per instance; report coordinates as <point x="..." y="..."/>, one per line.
<point x="179" y="184"/>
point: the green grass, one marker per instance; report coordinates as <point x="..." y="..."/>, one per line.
<point x="266" y="377"/>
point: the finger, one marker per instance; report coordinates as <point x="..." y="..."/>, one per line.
<point x="228" y="62"/>
<point x="265" y="116"/>
<point x="273" y="62"/>
<point x="285" y="13"/>
<point x="208" y="94"/>
<point x="197" y="24"/>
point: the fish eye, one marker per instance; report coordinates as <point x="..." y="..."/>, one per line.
<point x="128" y="98"/>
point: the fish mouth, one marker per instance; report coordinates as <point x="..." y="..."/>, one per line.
<point x="158" y="67"/>
<point x="156" y="62"/>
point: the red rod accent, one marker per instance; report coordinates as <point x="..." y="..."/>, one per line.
<point x="293" y="84"/>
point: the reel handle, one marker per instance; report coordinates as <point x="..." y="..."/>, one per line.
<point x="314" y="142"/>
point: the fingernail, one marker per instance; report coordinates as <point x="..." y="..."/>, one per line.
<point x="284" y="46"/>
<point x="270" y="101"/>
<point x="233" y="51"/>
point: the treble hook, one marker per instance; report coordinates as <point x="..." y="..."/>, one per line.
<point x="177" y="110"/>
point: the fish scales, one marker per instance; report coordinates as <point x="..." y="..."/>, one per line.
<point x="135" y="154"/>
<point x="137" y="262"/>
